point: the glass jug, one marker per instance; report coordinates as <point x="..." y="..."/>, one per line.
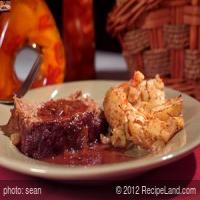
<point x="29" y="22"/>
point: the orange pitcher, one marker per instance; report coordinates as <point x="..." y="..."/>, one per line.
<point x="29" y="22"/>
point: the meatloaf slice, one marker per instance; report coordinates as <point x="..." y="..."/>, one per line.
<point x="49" y="128"/>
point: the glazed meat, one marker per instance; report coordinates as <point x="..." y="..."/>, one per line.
<point x="47" y="129"/>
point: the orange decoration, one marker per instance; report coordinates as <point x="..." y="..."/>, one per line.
<point x="29" y="22"/>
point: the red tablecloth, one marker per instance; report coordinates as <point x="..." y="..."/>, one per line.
<point x="187" y="169"/>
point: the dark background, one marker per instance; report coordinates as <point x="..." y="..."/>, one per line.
<point x="101" y="8"/>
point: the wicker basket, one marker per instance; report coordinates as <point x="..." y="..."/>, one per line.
<point x="159" y="36"/>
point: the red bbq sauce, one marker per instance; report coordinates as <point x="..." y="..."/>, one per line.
<point x="90" y="153"/>
<point x="94" y="155"/>
<point x="61" y="109"/>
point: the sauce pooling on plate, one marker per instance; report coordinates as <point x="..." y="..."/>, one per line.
<point x="90" y="156"/>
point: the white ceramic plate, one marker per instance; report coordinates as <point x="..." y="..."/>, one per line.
<point x="182" y="144"/>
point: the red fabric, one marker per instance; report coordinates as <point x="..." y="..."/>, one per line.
<point x="187" y="169"/>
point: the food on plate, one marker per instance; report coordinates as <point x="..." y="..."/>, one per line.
<point x="77" y="131"/>
<point x="64" y="131"/>
<point x="47" y="129"/>
<point x="138" y="113"/>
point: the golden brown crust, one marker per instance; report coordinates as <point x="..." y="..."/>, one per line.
<point x="138" y="112"/>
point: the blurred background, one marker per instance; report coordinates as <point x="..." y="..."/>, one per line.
<point x="109" y="63"/>
<point x="108" y="60"/>
<point x="104" y="41"/>
<point x="166" y="46"/>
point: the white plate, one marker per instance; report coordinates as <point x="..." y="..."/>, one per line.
<point x="182" y="144"/>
